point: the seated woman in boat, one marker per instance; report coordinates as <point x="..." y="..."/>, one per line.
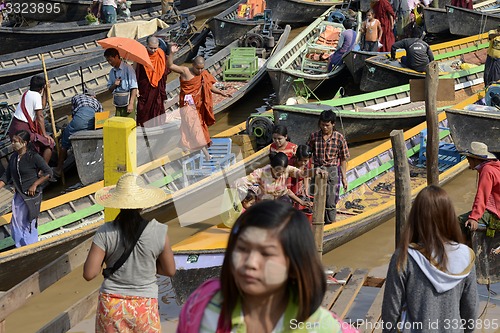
<point x="303" y="161"/>
<point x="27" y="170"/>
<point x="281" y="142"/>
<point x="270" y="182"/>
<point x="271" y="279"/>
<point x="346" y="43"/>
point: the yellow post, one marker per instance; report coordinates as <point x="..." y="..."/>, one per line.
<point x="120" y="153"/>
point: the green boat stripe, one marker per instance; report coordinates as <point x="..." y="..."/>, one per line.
<point x="340" y="102"/>
<point x="387" y="165"/>
<point x="83" y="213"/>
<point x="461" y="51"/>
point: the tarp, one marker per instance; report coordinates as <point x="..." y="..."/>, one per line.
<point x="136" y="29"/>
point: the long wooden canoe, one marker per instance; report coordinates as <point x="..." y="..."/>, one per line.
<point x="371" y="179"/>
<point x="69" y="219"/>
<point x="466" y="22"/>
<point x="355" y="62"/>
<point x="381" y="72"/>
<point x="373" y="115"/>
<point x="471" y="122"/>
<point x="299" y="12"/>
<point x="293" y="61"/>
<point x="87" y="145"/>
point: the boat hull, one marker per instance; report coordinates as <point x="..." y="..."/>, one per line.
<point x="297" y="12"/>
<point x="376" y="77"/>
<point x="436" y="20"/>
<point x="468" y="126"/>
<point x="487" y="263"/>
<point x="355" y="63"/>
<point x="466" y="22"/>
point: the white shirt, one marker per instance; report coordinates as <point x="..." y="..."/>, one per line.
<point x="108" y="3"/>
<point x="32" y="102"/>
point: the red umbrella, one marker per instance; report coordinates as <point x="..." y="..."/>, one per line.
<point x="129" y="49"/>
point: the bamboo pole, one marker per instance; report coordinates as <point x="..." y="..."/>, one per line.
<point x="403" y="186"/>
<point x="318" y="223"/>
<point x="431" y="87"/>
<point x="52" y="119"/>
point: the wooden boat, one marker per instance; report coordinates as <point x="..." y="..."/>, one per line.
<point x="487" y="251"/>
<point x="355" y="62"/>
<point x="70" y="218"/>
<point x="227" y="26"/>
<point x="87" y="145"/>
<point x="436" y="19"/>
<point x="472" y="122"/>
<point x="381" y="72"/>
<point x="371" y="179"/>
<point x="66" y="81"/>
<point x="466" y="22"/>
<point x="69" y="10"/>
<point x="373" y="115"/>
<point x="299" y="12"/>
<point x="294" y="62"/>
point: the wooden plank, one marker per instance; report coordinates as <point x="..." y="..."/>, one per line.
<point x="17" y="296"/>
<point x="345" y="300"/>
<point x="445" y="92"/>
<point x="372" y="281"/>
<point x="374" y="312"/>
<point x="73" y="315"/>
<point x="333" y="290"/>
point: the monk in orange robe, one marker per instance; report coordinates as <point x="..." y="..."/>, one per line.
<point x="385" y="14"/>
<point x="196" y="102"/>
<point x="152" y="93"/>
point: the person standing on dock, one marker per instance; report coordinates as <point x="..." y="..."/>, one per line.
<point x="134" y="250"/>
<point x="271" y="280"/>
<point x="122" y="83"/>
<point x="108" y="8"/>
<point x="385" y="14"/>
<point x="431" y="279"/>
<point x="151" y="84"/>
<point x="29" y="117"/>
<point x="195" y="101"/>
<point x="330" y="152"/>
<point x="27" y="170"/>
<point x="371" y="32"/>
<point x="486" y="207"/>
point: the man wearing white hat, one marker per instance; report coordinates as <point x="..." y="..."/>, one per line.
<point x="486" y="207"/>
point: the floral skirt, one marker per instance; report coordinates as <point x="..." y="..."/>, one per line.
<point x="126" y="314"/>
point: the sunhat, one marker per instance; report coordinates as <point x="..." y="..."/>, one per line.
<point x="479" y="150"/>
<point x="130" y="193"/>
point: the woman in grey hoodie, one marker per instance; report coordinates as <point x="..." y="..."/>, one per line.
<point x="431" y="280"/>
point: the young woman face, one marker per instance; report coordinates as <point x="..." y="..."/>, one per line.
<point x="279" y="140"/>
<point x="259" y="262"/>
<point x="17" y="143"/>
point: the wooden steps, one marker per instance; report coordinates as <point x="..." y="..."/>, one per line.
<point x="341" y="298"/>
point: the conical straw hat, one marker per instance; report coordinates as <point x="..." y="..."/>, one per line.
<point x="130" y="193"/>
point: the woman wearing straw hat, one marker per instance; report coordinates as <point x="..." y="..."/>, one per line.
<point x="486" y="207"/>
<point x="134" y="251"/>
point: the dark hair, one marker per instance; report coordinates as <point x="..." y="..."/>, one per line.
<point x="303" y="151"/>
<point x="431" y="224"/>
<point x="26" y="137"/>
<point x="112" y="52"/>
<point x="347" y="24"/>
<point x="278" y="160"/>
<point x="250" y="196"/>
<point x="328" y="116"/>
<point x="37" y="83"/>
<point x="305" y="277"/>
<point x="280" y="129"/>
<point x="128" y="221"/>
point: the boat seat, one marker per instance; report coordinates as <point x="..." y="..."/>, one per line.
<point x="448" y="154"/>
<point x="198" y="166"/>
<point x="242" y="64"/>
<point x="100" y="118"/>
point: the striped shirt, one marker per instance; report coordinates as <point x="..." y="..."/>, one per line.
<point x="82" y="100"/>
<point x="329" y="152"/>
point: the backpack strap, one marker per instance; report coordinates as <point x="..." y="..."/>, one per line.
<point x="107" y="272"/>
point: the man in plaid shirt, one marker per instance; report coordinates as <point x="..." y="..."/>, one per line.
<point x="330" y="152"/>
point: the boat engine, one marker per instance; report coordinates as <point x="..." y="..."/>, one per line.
<point x="261" y="126"/>
<point x="493" y="95"/>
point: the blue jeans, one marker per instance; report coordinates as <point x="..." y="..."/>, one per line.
<point x="109" y="14"/>
<point x="83" y="119"/>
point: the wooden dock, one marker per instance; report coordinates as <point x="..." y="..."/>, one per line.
<point x="341" y="297"/>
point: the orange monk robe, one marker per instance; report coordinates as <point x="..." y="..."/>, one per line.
<point x="199" y="88"/>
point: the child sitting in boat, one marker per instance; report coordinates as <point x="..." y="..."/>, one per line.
<point x="271" y="279"/>
<point x="300" y="186"/>
<point x="249" y="200"/>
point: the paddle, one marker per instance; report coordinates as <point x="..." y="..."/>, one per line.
<point x="52" y="120"/>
